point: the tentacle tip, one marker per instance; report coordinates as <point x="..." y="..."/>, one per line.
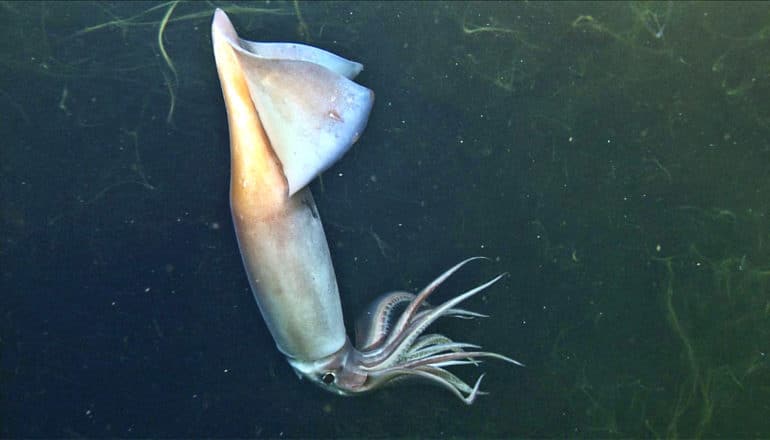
<point x="475" y="392"/>
<point x="509" y="360"/>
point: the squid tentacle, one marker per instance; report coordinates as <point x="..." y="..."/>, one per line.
<point x="380" y="324"/>
<point x="403" y="341"/>
<point x="391" y="350"/>
<point x="474" y="355"/>
<point x="406" y="317"/>
<point x="445" y="379"/>
<point x="450" y="377"/>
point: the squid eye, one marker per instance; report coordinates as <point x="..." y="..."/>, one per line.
<point x="328" y="378"/>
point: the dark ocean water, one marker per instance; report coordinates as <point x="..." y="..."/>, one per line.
<point x="613" y="158"/>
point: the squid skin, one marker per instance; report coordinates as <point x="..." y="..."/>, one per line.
<point x="292" y="111"/>
<point x="280" y="235"/>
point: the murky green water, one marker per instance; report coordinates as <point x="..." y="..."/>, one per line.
<point x="613" y="158"/>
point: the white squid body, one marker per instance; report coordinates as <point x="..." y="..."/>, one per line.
<point x="293" y="111"/>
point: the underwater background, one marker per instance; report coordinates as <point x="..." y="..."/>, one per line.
<point x="613" y="158"/>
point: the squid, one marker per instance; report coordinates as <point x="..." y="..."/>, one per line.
<point x="293" y="110"/>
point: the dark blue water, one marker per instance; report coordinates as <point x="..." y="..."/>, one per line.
<point x="613" y="158"/>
